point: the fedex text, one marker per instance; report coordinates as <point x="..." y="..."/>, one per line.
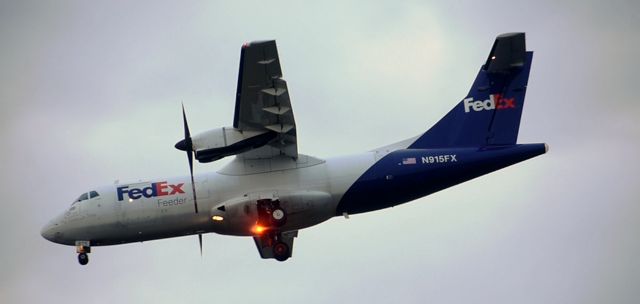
<point x="153" y="190"/>
<point x="495" y="101"/>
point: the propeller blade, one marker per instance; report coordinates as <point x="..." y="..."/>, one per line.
<point x="193" y="185"/>
<point x="187" y="134"/>
<point x="187" y="145"/>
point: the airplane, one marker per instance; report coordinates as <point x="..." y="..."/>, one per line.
<point x="269" y="191"/>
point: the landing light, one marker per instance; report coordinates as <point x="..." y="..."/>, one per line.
<point x="217" y="218"/>
<point x="258" y="229"/>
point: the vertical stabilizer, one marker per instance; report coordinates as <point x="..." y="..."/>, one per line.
<point x="490" y="114"/>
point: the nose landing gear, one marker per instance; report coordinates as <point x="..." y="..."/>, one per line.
<point x="83" y="258"/>
<point x="83" y="248"/>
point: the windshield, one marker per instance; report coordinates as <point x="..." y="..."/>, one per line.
<point x="85" y="196"/>
<point x="82" y="197"/>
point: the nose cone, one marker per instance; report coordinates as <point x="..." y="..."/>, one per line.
<point x="53" y="231"/>
<point x="48" y="232"/>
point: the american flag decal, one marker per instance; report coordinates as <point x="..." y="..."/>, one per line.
<point x="409" y="161"/>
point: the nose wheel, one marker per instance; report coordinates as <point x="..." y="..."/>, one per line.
<point x="83" y="248"/>
<point x="83" y="258"/>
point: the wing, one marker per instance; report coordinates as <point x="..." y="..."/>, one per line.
<point x="265" y="244"/>
<point x="262" y="100"/>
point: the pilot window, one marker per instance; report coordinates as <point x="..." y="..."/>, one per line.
<point x="84" y="196"/>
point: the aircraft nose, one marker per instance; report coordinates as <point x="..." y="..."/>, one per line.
<point x="47" y="232"/>
<point x="52" y="231"/>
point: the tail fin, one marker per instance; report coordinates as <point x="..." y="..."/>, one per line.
<point x="490" y="114"/>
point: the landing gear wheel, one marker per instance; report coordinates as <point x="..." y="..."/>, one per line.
<point x="83" y="258"/>
<point x="281" y="251"/>
<point x="278" y="216"/>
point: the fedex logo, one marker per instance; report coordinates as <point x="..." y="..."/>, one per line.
<point x="495" y="101"/>
<point x="154" y="190"/>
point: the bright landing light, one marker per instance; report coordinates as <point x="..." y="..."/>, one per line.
<point x="258" y="229"/>
<point x="217" y="218"/>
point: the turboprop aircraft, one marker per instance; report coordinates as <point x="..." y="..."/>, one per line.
<point x="269" y="191"/>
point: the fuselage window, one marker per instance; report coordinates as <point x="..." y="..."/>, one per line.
<point x="93" y="194"/>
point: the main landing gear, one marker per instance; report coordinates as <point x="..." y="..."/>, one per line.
<point x="274" y="245"/>
<point x="83" y="248"/>
<point x="270" y="213"/>
<point x="281" y="251"/>
<point x="273" y="217"/>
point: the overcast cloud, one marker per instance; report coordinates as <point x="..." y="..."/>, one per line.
<point x="91" y="93"/>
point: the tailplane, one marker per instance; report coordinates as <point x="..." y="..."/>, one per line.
<point x="490" y="114"/>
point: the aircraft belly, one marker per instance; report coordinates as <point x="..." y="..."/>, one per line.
<point x="159" y="227"/>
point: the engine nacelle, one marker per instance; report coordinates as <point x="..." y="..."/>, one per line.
<point x="241" y="216"/>
<point x="222" y="142"/>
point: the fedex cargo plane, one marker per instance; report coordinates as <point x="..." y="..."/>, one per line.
<point x="269" y="191"/>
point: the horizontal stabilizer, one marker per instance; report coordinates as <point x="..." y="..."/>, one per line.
<point x="508" y="52"/>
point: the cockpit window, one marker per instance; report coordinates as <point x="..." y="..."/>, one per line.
<point x="83" y="197"/>
<point x="86" y="196"/>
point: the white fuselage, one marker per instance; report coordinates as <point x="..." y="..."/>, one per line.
<point x="315" y="187"/>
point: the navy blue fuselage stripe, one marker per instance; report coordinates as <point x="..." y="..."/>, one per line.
<point x="405" y="175"/>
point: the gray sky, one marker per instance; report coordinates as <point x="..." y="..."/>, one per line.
<point x="91" y="93"/>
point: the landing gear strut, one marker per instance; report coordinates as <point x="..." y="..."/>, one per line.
<point x="83" y="249"/>
<point x="272" y="216"/>
<point x="270" y="213"/>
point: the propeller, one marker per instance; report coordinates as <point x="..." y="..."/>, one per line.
<point x="187" y="145"/>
